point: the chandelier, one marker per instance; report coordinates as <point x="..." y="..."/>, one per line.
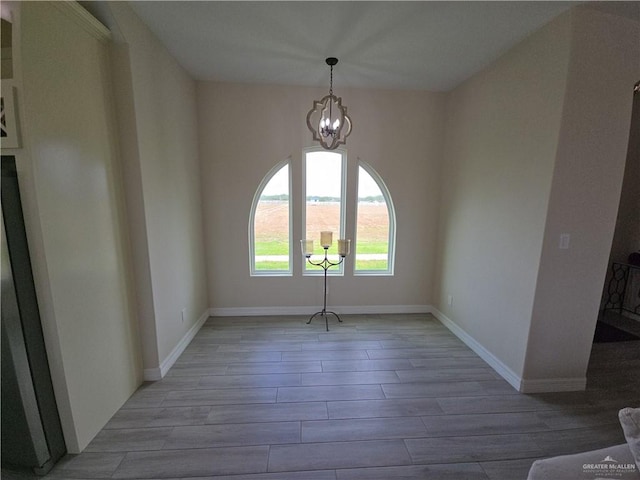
<point x="328" y="119"/>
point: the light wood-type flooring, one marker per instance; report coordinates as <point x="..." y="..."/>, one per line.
<point x="377" y="397"/>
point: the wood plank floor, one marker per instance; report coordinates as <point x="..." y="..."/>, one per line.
<point x="377" y="397"/>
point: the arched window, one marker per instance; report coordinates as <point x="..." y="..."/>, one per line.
<point x="375" y="225"/>
<point x="324" y="192"/>
<point x="270" y="224"/>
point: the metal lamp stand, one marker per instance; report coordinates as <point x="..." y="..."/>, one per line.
<point x="325" y="264"/>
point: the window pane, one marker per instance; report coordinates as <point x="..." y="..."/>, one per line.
<point x="372" y="237"/>
<point x="271" y="224"/>
<point x="323" y="204"/>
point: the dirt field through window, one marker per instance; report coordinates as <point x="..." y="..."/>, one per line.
<point x="272" y="220"/>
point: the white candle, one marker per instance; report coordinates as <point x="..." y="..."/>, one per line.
<point x="307" y="247"/>
<point x="344" y="247"/>
<point x="326" y="239"/>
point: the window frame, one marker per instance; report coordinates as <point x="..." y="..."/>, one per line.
<point x="252" y="217"/>
<point x="333" y="271"/>
<point x="391" y="211"/>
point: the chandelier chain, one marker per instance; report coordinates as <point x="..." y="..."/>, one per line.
<point x="331" y="82"/>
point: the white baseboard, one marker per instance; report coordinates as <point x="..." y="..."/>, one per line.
<point x="541" y="385"/>
<point x="384" y="309"/>
<point x="495" y="363"/>
<point x="310" y="310"/>
<point x="259" y="311"/>
<point x="154" y="374"/>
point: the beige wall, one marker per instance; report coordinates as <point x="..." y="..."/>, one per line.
<point x="91" y="289"/>
<point x="72" y="195"/>
<point x="535" y="148"/>
<point x="245" y="130"/>
<point x="604" y="65"/>
<point x="502" y="133"/>
<point x="627" y="234"/>
<point x="157" y="116"/>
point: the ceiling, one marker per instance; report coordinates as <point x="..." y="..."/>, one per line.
<point x="399" y="45"/>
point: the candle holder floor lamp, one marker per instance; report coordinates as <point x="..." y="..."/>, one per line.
<point x="325" y="264"/>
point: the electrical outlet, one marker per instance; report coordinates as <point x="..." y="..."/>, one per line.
<point x="564" y="241"/>
<point x="450" y="300"/>
<point x="183" y="314"/>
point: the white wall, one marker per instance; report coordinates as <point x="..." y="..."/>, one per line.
<point x="246" y="129"/>
<point x="535" y="148"/>
<point x="71" y="187"/>
<point x="157" y="116"/>
<point x="501" y="138"/>
<point x="587" y="180"/>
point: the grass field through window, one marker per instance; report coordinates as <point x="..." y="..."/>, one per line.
<point x="272" y="242"/>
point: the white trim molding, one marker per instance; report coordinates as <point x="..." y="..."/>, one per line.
<point x="84" y="19"/>
<point x="542" y="385"/>
<point x="158" y="373"/>
<point x="310" y="310"/>
<point x="493" y="361"/>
